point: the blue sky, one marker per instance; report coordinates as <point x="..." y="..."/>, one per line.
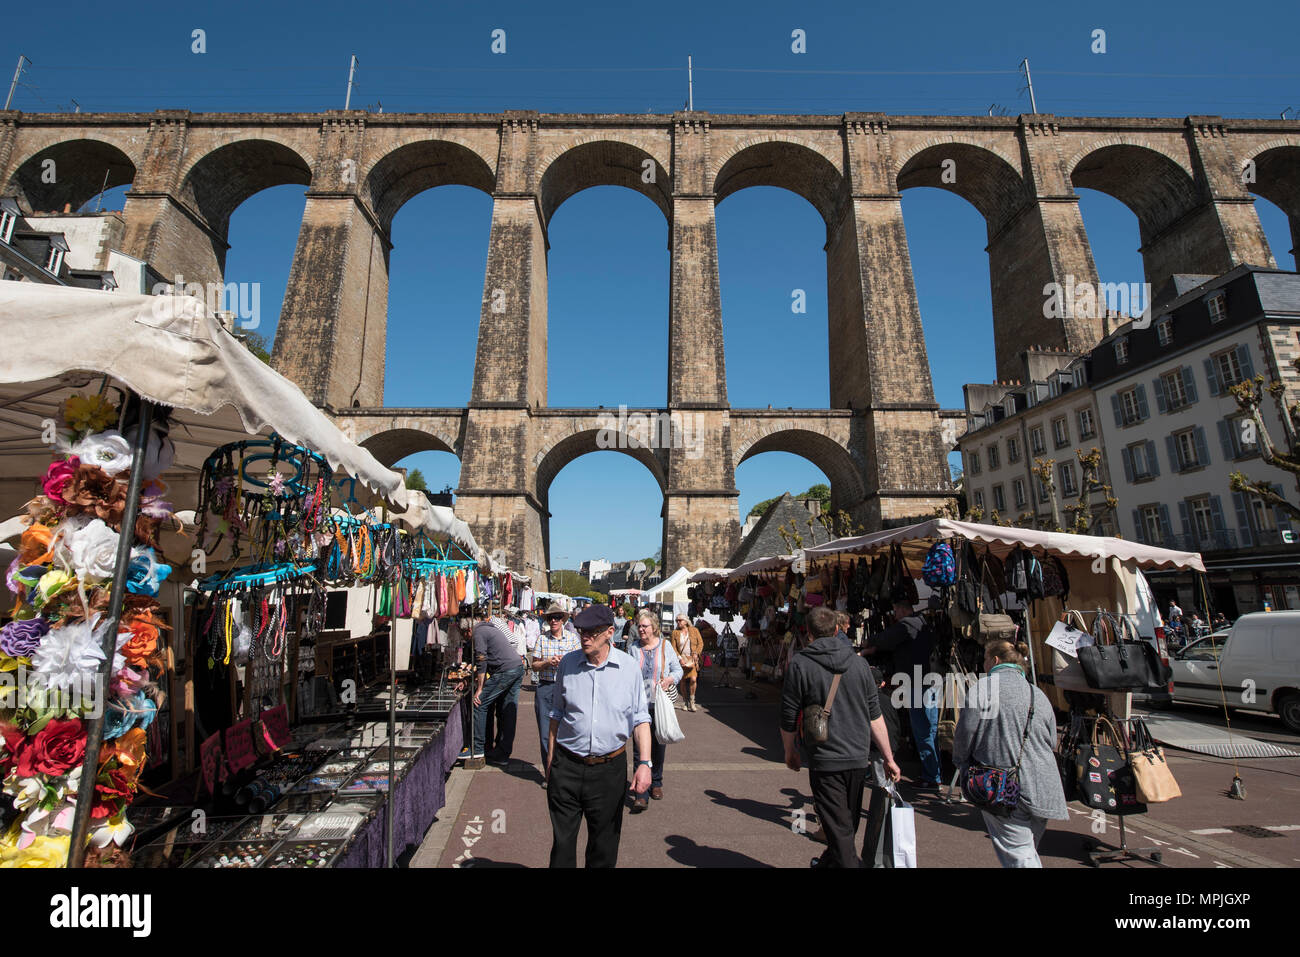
<point x="608" y="297"/>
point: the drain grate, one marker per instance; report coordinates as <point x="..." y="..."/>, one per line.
<point x="1252" y="830"/>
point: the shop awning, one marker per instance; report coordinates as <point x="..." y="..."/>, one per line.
<point x="710" y="575"/>
<point x="762" y="565"/>
<point x="916" y="539"/>
<point x="669" y="584"/>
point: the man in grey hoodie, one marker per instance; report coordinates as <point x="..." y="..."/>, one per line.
<point x="837" y="768"/>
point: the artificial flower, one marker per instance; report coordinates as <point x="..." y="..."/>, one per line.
<point x="42" y="852"/>
<point x="59" y="747"/>
<point x="19" y="639"/>
<point x="44" y="822"/>
<point x="123" y="715"/>
<point x="116" y="831"/>
<point x="11" y="748"/>
<point x="109" y="451"/>
<point x="90" y="549"/>
<point x="93" y="490"/>
<point x="53" y="583"/>
<point x="158" y="453"/>
<point x="126" y="681"/>
<point x="69" y="656"/>
<point x="128" y="750"/>
<point x="152" y="504"/>
<point x="10" y="664"/>
<point x="57" y="477"/>
<point x="88" y="413"/>
<point x="11" y="575"/>
<point x="25" y="791"/>
<point x="145" y="573"/>
<point x="141" y="641"/>
<point x="35" y="545"/>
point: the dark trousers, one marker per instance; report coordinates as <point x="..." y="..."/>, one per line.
<point x="503" y="686"/>
<point x="595" y="792"/>
<point x="658" y="754"/>
<point x="837" y="796"/>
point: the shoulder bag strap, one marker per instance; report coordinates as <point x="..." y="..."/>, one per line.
<point x="830" y="698"/>
<point x="1028" y="721"/>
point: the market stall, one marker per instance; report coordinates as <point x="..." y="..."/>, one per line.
<point x="129" y="395"/>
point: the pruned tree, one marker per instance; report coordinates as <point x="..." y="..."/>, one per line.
<point x="1250" y="397"/>
<point x="1082" y="516"/>
<point x="1045" y="471"/>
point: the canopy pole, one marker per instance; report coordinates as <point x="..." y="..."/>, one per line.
<point x="392" y="715"/>
<point x="1029" y="641"/>
<point x="95" y="730"/>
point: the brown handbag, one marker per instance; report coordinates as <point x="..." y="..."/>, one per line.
<point x="1155" y="782"/>
<point x="817" y="717"/>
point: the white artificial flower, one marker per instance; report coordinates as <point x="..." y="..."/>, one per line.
<point x="25" y="791"/>
<point x="93" y="551"/>
<point x="69" y="656"/>
<point x="111" y="833"/>
<point x="109" y="450"/>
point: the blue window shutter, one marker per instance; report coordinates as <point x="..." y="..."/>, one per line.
<point x="1185" y="516"/>
<point x="1127" y="458"/>
<point x="1216" y="514"/>
<point x="1243" y="357"/>
<point x="1171" y="446"/>
<point x="1153" y="463"/>
<point x="1166" y="532"/>
<point x="1158" y="386"/>
<point x="1225" y="439"/>
<point x="1137" y="524"/>
<point x="1119" y="415"/>
<point x="1282" y="515"/>
<point x="1144" y="412"/>
<point x="1212" y="377"/>
<point x="1189" y="384"/>
<point x="1243" y="519"/>
<point x="1202" y="447"/>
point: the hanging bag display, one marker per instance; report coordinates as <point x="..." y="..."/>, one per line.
<point x="1103" y="774"/>
<point x="939" y="570"/>
<point x="1125" y="664"/>
<point x="994" y="789"/>
<point x="1069" y="635"/>
<point x="1155" y="782"/>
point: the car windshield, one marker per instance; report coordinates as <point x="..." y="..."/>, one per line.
<point x="1207" y="649"/>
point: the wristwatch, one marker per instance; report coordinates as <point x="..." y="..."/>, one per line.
<point x="646" y="763"/>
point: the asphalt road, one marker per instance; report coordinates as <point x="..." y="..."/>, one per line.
<point x="729" y="801"/>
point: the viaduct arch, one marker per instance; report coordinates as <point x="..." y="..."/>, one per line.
<point x="1189" y="181"/>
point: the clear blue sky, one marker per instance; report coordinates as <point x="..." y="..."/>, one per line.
<point x="608" y="259"/>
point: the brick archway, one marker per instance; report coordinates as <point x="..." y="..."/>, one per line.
<point x="69" y="173"/>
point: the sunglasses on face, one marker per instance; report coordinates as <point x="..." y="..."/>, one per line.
<point x="592" y="632"/>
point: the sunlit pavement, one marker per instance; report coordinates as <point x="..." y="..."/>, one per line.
<point x="729" y="801"/>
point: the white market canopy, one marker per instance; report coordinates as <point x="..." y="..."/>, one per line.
<point x="669" y="584"/>
<point x="916" y="540"/>
<point x="762" y="565"/>
<point x="710" y="575"/>
<point x="59" y="342"/>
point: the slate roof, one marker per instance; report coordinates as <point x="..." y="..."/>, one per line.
<point x="765" y="541"/>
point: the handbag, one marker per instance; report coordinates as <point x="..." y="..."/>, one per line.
<point x="994" y="789"/>
<point x="1126" y="665"/>
<point x="817" y="718"/>
<point x="1067" y="673"/>
<point x="667" y="729"/>
<point x="1104" y="776"/>
<point x="1155" y="782"/>
<point x="903" y="580"/>
<point x="995" y="626"/>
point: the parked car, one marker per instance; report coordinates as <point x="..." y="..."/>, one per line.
<point x="1254" y="665"/>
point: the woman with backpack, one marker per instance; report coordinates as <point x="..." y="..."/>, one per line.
<point x="1009" y="724"/>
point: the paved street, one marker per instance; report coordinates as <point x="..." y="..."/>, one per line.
<point x="729" y="801"/>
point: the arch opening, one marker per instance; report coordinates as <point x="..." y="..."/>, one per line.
<point x="221" y="180"/>
<point x="409" y="170"/>
<point x="1277" y="180"/>
<point x="604" y="163"/>
<point x="69" y="174"/>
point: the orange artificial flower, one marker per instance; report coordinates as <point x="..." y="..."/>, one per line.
<point x="35" y="547"/>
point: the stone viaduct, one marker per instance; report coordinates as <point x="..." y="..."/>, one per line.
<point x="1189" y="181"/>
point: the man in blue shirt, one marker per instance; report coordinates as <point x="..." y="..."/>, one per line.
<point x="599" y="703"/>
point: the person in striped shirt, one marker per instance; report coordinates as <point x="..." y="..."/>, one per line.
<point x="552" y="645"/>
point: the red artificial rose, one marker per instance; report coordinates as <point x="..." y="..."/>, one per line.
<point x="120" y="783"/>
<point x="59" y="748"/>
<point x="57" y="477"/>
<point x="15" y="743"/>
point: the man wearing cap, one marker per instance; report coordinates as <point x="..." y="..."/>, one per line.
<point x="599" y="703"/>
<point x="548" y="650"/>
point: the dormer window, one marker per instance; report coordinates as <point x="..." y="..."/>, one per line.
<point x="1121" y="350"/>
<point x="1217" y="303"/>
<point x="7" y="220"/>
<point x="1053" y="389"/>
<point x="1080" y="379"/>
<point x="55" y="260"/>
<point x="1165" y="331"/>
<point x="1010" y="405"/>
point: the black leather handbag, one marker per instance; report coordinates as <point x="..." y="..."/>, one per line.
<point x="1104" y="777"/>
<point x="1129" y="664"/>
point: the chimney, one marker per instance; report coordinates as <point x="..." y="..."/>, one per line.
<point x="814" y="506"/>
<point x="67" y="208"/>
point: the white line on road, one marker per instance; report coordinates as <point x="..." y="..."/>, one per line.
<point x="1282" y="827"/>
<point x="1212" y="830"/>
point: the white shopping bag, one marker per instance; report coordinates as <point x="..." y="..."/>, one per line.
<point x="902" y="832"/>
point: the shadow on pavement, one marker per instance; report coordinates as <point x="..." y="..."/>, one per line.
<point x="488" y="862"/>
<point x="683" y="850"/>
<point x="760" y="810"/>
<point x="957" y="815"/>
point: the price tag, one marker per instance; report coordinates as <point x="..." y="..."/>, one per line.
<point x="210" y="755"/>
<point x="240" y="750"/>
<point x="1068" y="640"/>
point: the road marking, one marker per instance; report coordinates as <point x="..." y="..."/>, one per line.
<point x="1212" y="830"/>
<point x="473" y="827"/>
<point x="1282" y="827"/>
<point x="1218" y="864"/>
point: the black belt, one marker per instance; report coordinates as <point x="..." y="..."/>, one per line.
<point x="595" y="759"/>
<point x="541" y="682"/>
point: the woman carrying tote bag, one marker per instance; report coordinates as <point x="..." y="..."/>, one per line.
<point x="689" y="645"/>
<point x="659" y="669"/>
<point x="995" y="732"/>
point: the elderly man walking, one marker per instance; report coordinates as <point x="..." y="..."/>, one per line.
<point x="548" y="651"/>
<point x="599" y="704"/>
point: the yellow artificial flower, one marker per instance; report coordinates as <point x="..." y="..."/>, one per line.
<point x="89" y="413"/>
<point x="42" y="852"/>
<point x="53" y="583"/>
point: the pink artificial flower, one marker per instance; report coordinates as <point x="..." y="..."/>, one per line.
<point x="57" y="477"/>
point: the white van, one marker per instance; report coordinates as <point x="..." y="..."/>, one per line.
<point x="1257" y="665"/>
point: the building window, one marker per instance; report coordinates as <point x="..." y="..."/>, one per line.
<point x="1121" y="351"/>
<point x="1228" y="366"/>
<point x="1060" y="432"/>
<point x="1066" y="470"/>
<point x="7" y="220"/>
<point x="1042" y="490"/>
<point x="1080" y="377"/>
<point x="1036" y="440"/>
<point x="1217" y="303"/>
<point x="1013" y="450"/>
<point x="999" y="500"/>
<point x="1131" y="406"/>
<point x="1238" y="437"/>
<point x="1151" y="523"/>
<point x="1187" y="449"/>
<point x="993" y="456"/>
<point x="973" y="463"/>
<point x="1018" y="490"/>
<point x="1202" y="517"/>
<point x="1086" y="427"/>
<point x="979" y="498"/>
<point x="1262" y="514"/>
<point x="1175" y="395"/>
<point x="13" y="275"/>
<point x="1165" y="331"/>
<point x="1140" y="461"/>
<point x="55" y="260"/>
<point x="1010" y="405"/>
